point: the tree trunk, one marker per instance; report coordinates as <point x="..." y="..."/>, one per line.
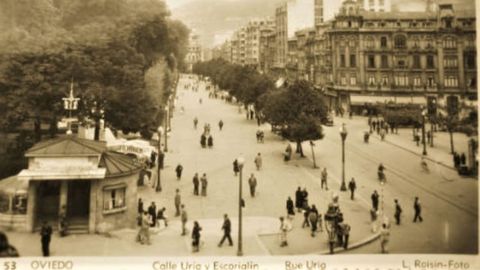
<point x="452" y="149"/>
<point x="97" y="129"/>
<point x="53" y="127"/>
<point x="37" y="128"/>
<point x="300" y="149"/>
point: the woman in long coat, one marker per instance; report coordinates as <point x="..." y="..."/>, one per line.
<point x="196" y="236"/>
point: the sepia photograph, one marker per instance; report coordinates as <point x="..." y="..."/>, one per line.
<point x="238" y="128"/>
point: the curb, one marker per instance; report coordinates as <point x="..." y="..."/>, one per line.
<point x="358" y="244"/>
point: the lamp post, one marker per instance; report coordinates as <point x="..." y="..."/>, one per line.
<point x="423" y="133"/>
<point x="166" y="128"/>
<point x="159" y="185"/>
<point x="343" y="135"/>
<point x="240" y="161"/>
<point x="70" y="104"/>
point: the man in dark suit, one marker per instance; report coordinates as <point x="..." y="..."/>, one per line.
<point x="226" y="227"/>
<point x="46" y="233"/>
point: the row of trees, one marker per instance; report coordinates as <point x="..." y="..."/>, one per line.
<point x="296" y="108"/>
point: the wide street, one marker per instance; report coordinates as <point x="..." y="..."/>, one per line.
<point x="449" y="202"/>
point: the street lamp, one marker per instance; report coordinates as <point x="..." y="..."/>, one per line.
<point x="159" y="185"/>
<point x="240" y="161"/>
<point x="343" y="135"/>
<point x="70" y="104"/>
<point x="424" y="113"/>
<point x="166" y="129"/>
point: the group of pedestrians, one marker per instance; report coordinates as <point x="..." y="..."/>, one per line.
<point x="200" y="182"/>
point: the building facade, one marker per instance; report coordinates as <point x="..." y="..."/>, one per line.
<point x="403" y="56"/>
<point x="194" y="53"/>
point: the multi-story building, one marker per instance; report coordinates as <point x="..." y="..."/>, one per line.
<point x="375" y="5"/>
<point x="194" y="53"/>
<point x="404" y="57"/>
<point x="325" y="10"/>
<point x="239" y="47"/>
<point x="267" y="48"/>
<point x="291" y="16"/>
<point x="253" y="33"/>
<point x="301" y="59"/>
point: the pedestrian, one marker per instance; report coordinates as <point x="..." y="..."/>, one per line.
<point x="456" y="160"/>
<point x="236" y="168"/>
<point x="196" y="237"/>
<point x="210" y="141"/>
<point x="204" y="183"/>
<point x="220" y="125"/>
<point x="179" y="170"/>
<point x="203" y="140"/>
<point x="385" y="237"/>
<point x="195" y="122"/>
<point x="324" y="178"/>
<point x="177" y="202"/>
<point x="418" y="210"/>
<point x="152" y="212"/>
<point x="184" y="219"/>
<point x="227" y="228"/>
<point x="7" y="250"/>
<point x="284" y="227"/>
<point x="140" y="206"/>
<point x="288" y="153"/>
<point x="252" y="114"/>
<point x="375" y="200"/>
<point x="196" y="182"/>
<point x="298" y="199"/>
<point x="252" y="183"/>
<point x="463" y="159"/>
<point x="313" y="219"/>
<point x="352" y="186"/>
<point x="258" y="161"/>
<point x="346" y="235"/>
<point x="305" y="198"/>
<point x="373" y="219"/>
<point x="374" y="124"/>
<point x="46" y="236"/>
<point x="306" y="214"/>
<point x="398" y="211"/>
<point x="145" y="229"/>
<point x="162" y="216"/>
<point x="382" y="134"/>
<point x="290" y="208"/>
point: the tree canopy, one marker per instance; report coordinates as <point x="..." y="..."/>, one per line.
<point x="109" y="48"/>
<point x="297" y="111"/>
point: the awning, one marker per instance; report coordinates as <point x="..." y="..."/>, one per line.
<point x="362" y="99"/>
<point x="67" y="173"/>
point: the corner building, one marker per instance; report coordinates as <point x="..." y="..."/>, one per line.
<point x="403" y="57"/>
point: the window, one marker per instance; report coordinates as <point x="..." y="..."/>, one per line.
<point x="384" y="61"/>
<point x="417" y="81"/>
<point x="449" y="43"/>
<point x="430" y="82"/>
<point x="383" y="42"/>
<point x="430" y="61"/>
<point x="371" y="61"/>
<point x="353" y="60"/>
<point x="384" y="81"/>
<point x="371" y="80"/>
<point x="401" y="80"/>
<point x="451" y="81"/>
<point x="400" y="42"/>
<point x="416" y="43"/>
<point x="470" y="41"/>
<point x="416" y="61"/>
<point x="429" y="43"/>
<point x="472" y="82"/>
<point x="353" y="79"/>
<point x="343" y="80"/>
<point x="19" y="205"/>
<point x="342" y="60"/>
<point x="450" y="62"/>
<point x="4" y="203"/>
<point x="114" y="198"/>
<point x="470" y="60"/>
